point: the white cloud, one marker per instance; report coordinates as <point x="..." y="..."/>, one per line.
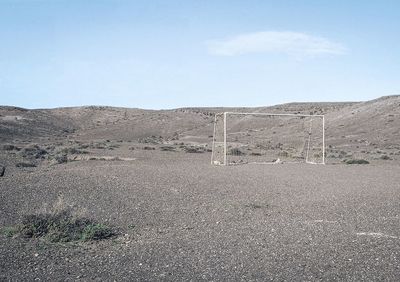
<point x="292" y="43"/>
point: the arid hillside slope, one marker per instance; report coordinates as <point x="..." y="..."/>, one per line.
<point x="350" y="126"/>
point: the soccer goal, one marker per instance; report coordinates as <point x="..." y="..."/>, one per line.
<point x="268" y="138"/>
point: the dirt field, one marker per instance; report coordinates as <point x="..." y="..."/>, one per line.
<point x="147" y="175"/>
<point x="182" y="219"/>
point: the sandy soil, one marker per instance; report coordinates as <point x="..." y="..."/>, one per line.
<point x="181" y="218"/>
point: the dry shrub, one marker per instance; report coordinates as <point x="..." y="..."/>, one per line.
<point x="357" y="161"/>
<point x="63" y="224"/>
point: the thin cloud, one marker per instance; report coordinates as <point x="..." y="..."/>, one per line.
<point x="292" y="43"/>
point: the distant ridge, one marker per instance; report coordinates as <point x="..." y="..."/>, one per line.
<point x="377" y="120"/>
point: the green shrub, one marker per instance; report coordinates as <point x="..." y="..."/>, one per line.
<point x="63" y="227"/>
<point x="94" y="232"/>
<point x="9" y="231"/>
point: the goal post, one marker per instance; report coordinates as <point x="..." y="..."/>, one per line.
<point x="241" y="137"/>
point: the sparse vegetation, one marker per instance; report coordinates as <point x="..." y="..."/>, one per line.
<point x="9" y="147"/>
<point x="148" y="148"/>
<point x="33" y="152"/>
<point x="256" y="206"/>
<point x="356" y="161"/>
<point x="112" y="146"/>
<point x="73" y="151"/>
<point x="253" y="206"/>
<point x="60" y="158"/>
<point x="343" y="154"/>
<point x="97" y="146"/>
<point x="9" y="231"/>
<point x="385" y="157"/>
<point x="236" y="152"/>
<point x="62" y="226"/>
<point x="167" y="148"/>
<point x="25" y="165"/>
<point x="152" y="140"/>
<point x="284" y="154"/>
<point x="194" y="150"/>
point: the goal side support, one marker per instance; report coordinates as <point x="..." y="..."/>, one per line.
<point x="225" y="151"/>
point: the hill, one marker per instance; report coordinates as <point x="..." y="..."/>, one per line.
<point x="355" y="127"/>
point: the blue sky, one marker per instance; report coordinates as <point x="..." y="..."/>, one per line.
<point x="168" y="54"/>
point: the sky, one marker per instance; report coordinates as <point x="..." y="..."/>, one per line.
<point x="167" y="54"/>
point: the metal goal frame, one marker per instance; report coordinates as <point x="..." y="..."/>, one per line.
<point x="225" y="163"/>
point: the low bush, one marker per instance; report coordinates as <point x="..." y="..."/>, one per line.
<point x="385" y="157"/>
<point x="60" y="158"/>
<point x="167" y="148"/>
<point x="33" y="152"/>
<point x="62" y="227"/>
<point x="152" y="139"/>
<point x="356" y="161"/>
<point x="9" y="147"/>
<point x="9" y="231"/>
<point x="194" y="150"/>
<point x="284" y="154"/>
<point x="73" y="151"/>
<point x="25" y="165"/>
<point x="236" y="152"/>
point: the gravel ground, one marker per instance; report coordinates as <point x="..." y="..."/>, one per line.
<point x="182" y="219"/>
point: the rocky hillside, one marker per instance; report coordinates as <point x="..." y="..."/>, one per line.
<point x="359" y="125"/>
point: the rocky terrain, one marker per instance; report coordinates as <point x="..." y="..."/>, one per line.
<point x="147" y="174"/>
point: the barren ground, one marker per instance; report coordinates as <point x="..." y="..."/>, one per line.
<point x="180" y="218"/>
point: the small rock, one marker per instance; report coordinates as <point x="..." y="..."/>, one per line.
<point x="2" y="170"/>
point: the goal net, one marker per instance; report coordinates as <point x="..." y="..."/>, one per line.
<point x="241" y="138"/>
